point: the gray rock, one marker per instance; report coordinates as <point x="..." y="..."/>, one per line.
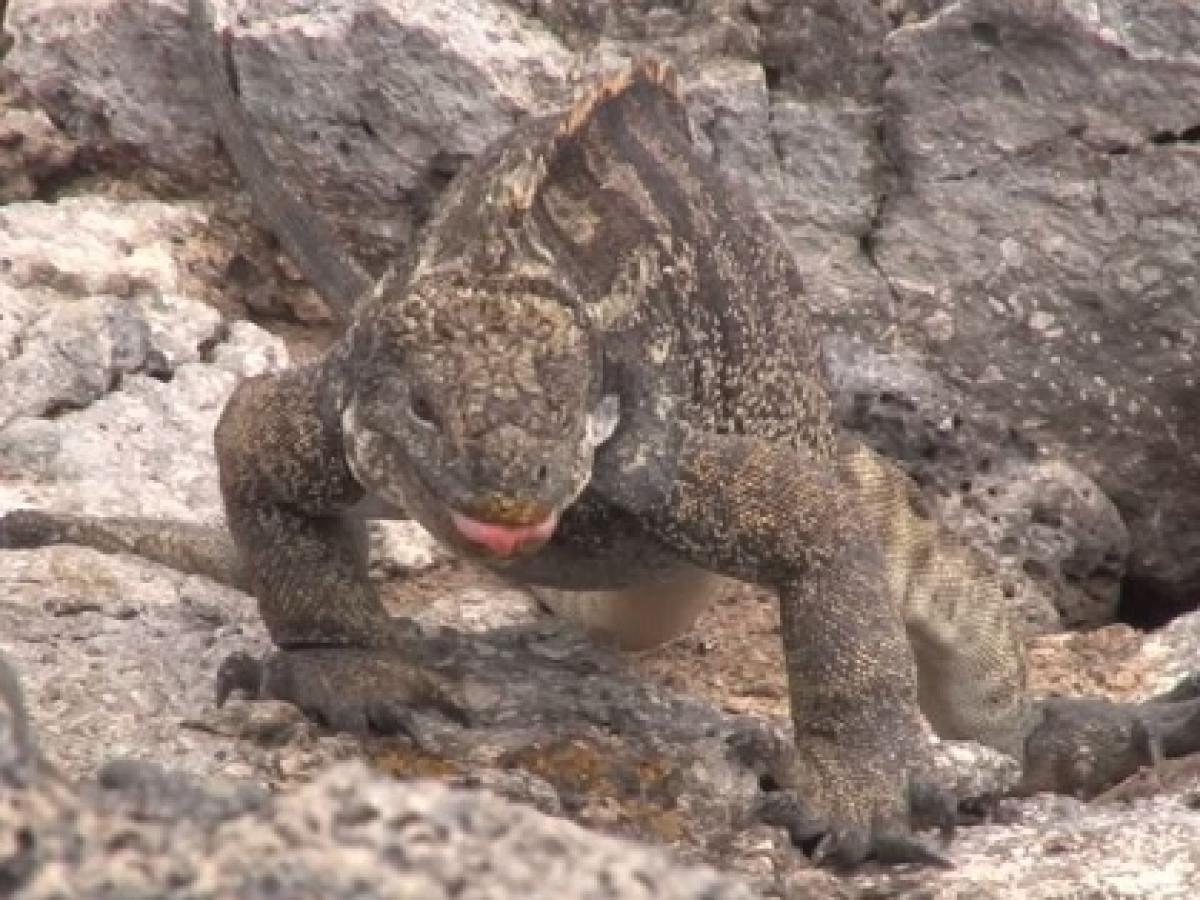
<point x="907" y="12"/>
<point x="1170" y="652"/>
<point x="1046" y="177"/>
<point x="142" y="832"/>
<point x="93" y="320"/>
<point x="372" y="140"/>
<point x="111" y="78"/>
<point x="34" y="155"/>
<point x="1055" y="847"/>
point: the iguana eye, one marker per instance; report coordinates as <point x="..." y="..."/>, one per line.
<point x="420" y="409"/>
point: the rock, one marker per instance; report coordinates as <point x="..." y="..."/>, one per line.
<point x="401" y="548"/>
<point x="1046" y="175"/>
<point x="34" y="155"/>
<point x="432" y="83"/>
<point x="97" y="302"/>
<point x="140" y="831"/>
<point x="93" y="319"/>
<point x="111" y="79"/>
<point x="1169" y="653"/>
<point x="908" y="12"/>
<point x="1054" y="847"/>
<point x="1056" y="524"/>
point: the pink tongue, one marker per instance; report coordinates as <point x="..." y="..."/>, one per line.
<point x="503" y="540"/>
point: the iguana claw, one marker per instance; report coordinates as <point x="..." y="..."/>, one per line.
<point x="842" y="846"/>
<point x="827" y="839"/>
<point x="352" y="690"/>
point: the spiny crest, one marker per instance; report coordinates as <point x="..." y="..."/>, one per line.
<point x="519" y="186"/>
<point x="655" y="76"/>
<point x="653" y="73"/>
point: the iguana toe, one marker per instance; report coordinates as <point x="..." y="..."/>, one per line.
<point x="835" y="829"/>
<point x="1085" y="744"/>
<point x="347" y="689"/>
<point x="828" y="842"/>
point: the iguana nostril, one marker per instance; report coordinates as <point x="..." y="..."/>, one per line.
<point x="541" y="473"/>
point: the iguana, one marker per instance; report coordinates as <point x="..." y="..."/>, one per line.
<point x="597" y="368"/>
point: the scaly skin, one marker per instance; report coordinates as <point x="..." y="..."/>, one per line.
<point x="597" y="372"/>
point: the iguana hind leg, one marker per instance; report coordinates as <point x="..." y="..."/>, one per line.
<point x="970" y="660"/>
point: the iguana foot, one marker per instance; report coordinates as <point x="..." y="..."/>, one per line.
<point x="830" y="827"/>
<point x="348" y="689"/>
<point x="1084" y="745"/>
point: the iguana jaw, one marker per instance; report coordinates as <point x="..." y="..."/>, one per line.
<point x="504" y="540"/>
<point x="496" y="529"/>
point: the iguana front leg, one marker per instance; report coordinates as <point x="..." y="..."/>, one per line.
<point x="288" y="496"/>
<point x="766" y="513"/>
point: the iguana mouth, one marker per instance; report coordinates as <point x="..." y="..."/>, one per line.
<point x="505" y="540"/>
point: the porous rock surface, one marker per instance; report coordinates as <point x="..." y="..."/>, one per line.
<point x="1046" y="168"/>
<point x="113" y="369"/>
<point x="140" y="832"/>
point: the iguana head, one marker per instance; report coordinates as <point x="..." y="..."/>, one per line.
<point x="474" y="408"/>
<point x="476" y="404"/>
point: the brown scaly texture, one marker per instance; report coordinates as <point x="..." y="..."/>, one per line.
<point x="598" y="327"/>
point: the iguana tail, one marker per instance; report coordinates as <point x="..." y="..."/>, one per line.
<point x="194" y="549"/>
<point x="26" y="761"/>
<point x="6" y="39"/>
<point x="306" y="237"/>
